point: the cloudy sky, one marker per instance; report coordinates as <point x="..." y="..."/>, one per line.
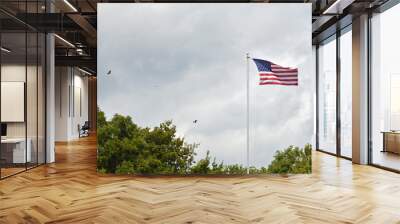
<point x="186" y="62"/>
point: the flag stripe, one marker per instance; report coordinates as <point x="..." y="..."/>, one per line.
<point x="283" y="70"/>
<point x="277" y="80"/>
<point x="277" y="83"/>
<point x="278" y="75"/>
<point x="274" y="78"/>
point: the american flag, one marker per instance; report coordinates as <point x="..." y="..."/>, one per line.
<point x="273" y="74"/>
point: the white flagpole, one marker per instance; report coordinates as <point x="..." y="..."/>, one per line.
<point x="248" y="114"/>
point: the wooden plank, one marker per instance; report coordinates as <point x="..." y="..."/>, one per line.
<point x="70" y="191"/>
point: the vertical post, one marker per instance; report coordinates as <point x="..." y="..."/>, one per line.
<point x="317" y="97"/>
<point x="50" y="98"/>
<point x="369" y="89"/>
<point x="338" y="98"/>
<point x="360" y="86"/>
<point x="50" y="92"/>
<point x="25" y="103"/>
<point x="248" y="113"/>
<point x="0" y="94"/>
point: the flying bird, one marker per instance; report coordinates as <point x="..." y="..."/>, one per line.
<point x="109" y="72"/>
<point x="195" y="121"/>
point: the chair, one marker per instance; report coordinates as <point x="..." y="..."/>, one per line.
<point x="84" y="130"/>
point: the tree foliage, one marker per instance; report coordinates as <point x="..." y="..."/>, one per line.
<point x="292" y="160"/>
<point x="126" y="148"/>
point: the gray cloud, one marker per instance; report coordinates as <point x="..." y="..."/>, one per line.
<point x="187" y="61"/>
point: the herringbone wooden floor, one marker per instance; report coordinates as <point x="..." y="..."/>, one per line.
<point x="70" y="191"/>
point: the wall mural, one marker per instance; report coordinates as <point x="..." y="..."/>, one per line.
<point x="205" y="88"/>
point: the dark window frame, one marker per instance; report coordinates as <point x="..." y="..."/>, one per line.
<point x="334" y="37"/>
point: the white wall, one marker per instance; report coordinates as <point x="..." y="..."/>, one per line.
<point x="62" y="81"/>
<point x="14" y="72"/>
<point x="33" y="126"/>
<point x="71" y="93"/>
<point x="80" y="109"/>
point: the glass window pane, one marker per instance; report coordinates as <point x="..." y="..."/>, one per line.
<point x="386" y="89"/>
<point x="22" y="90"/>
<point x="14" y="153"/>
<point x="327" y="96"/>
<point x="346" y="94"/>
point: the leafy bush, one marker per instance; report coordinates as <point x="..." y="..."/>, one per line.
<point x="126" y="148"/>
<point x="126" y="167"/>
<point x="292" y="160"/>
<point x="202" y="166"/>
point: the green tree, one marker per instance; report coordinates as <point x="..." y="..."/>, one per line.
<point x="202" y="166"/>
<point x="293" y="160"/>
<point x="101" y="118"/>
<point x="126" y="148"/>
